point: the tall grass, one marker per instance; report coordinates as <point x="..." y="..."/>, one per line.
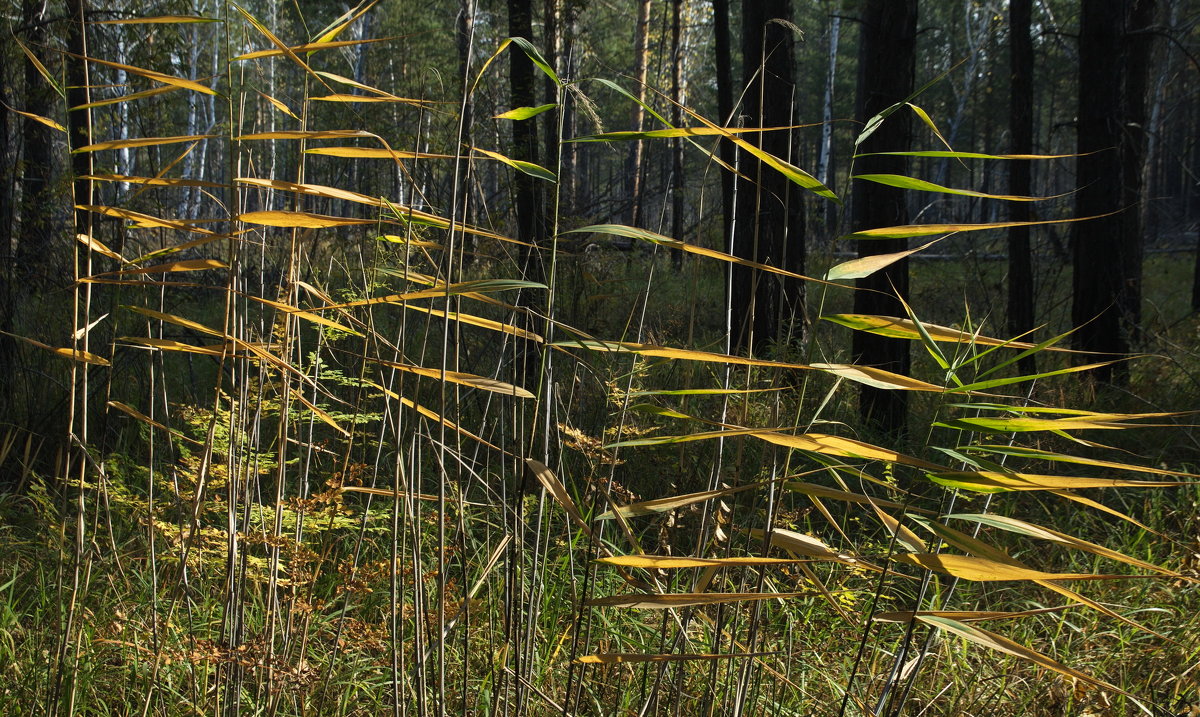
<point x="327" y="456"/>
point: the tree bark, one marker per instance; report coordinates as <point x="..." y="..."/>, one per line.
<point x="1020" y="181"/>
<point x="641" y="54"/>
<point x="886" y="67"/>
<point x="825" y="161"/>
<point x="1107" y="261"/>
<point x="770" y="214"/>
<point x="79" y="122"/>
<point x="569" y="177"/>
<point x="1138" y="49"/>
<point x="550" y="27"/>
<point x="677" y="184"/>
<point x="466" y="29"/>
<point x="8" y="177"/>
<point x="530" y="216"/>
<point x="36" y="141"/>
<point x="724" y="67"/>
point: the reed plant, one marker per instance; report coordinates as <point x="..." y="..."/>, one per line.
<point x="358" y="449"/>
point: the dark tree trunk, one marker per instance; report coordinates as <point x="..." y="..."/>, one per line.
<point x="724" y="66"/>
<point x="8" y="177"/>
<point x="1020" y="181"/>
<point x="1187" y="190"/>
<point x="1138" y="48"/>
<point x="641" y="53"/>
<point x="1107" y="261"/>
<point x="36" y="141"/>
<point x="79" y="124"/>
<point x="550" y="119"/>
<point x="770" y="215"/>
<point x="886" y="67"/>
<point x="530" y="218"/>
<point x="825" y="162"/>
<point x="569" y="178"/>
<point x="466" y="29"/>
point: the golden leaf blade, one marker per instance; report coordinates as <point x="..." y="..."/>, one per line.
<point x="556" y="489"/>
<point x="677" y="600"/>
<point x="279" y="105"/>
<point x="370" y="98"/>
<point x="153" y="181"/>
<point x="143" y="221"/>
<point x="966" y="615"/>
<point x="177" y="320"/>
<point x="73" y="354"/>
<point x="876" y="377"/>
<point x="977" y="569"/>
<point x="463" y="379"/>
<point x="152" y="75"/>
<point x="989" y="481"/>
<point x="317" y="190"/>
<point x="301" y="313"/>
<point x="808" y="546"/>
<point x="306" y="134"/>
<point x="373" y="153"/>
<point x="820" y="491"/>
<point x="1032" y="530"/>
<point x="624" y="658"/>
<point x="141" y="142"/>
<point x="479" y="321"/>
<point x="865" y="266"/>
<point x="999" y="643"/>
<point x="660" y="505"/>
<point x="308" y="47"/>
<point x="127" y="98"/>
<point x="305" y="220"/>
<point x="431" y="414"/>
<point x="131" y="411"/>
<point x="670" y="562"/>
<point x="319" y="412"/>
<point x="157" y="20"/>
<point x="174" y="266"/>
<point x="38" y="118"/>
<point x="99" y="247"/>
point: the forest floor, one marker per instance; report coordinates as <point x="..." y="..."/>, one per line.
<point x="332" y="620"/>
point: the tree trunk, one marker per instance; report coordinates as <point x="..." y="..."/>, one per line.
<point x="641" y="54"/>
<point x="466" y="29"/>
<point x="1138" y="48"/>
<point x="677" y="185"/>
<point x="825" y="162"/>
<point x="1103" y="299"/>
<point x="770" y="215"/>
<point x="37" y="140"/>
<point x="79" y="122"/>
<point x="1020" y="264"/>
<point x="8" y="177"/>
<point x="724" y="67"/>
<point x="886" y="67"/>
<point x="530" y="218"/>
<point x="549" y="119"/>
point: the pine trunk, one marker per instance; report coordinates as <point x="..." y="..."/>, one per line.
<point x="1020" y="181"/>
<point x="887" y="59"/>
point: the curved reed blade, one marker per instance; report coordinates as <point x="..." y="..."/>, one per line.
<point x="671" y="562"/>
<point x="992" y="641"/>
<point x="678" y="600"/>
<point x="626" y="658"/>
